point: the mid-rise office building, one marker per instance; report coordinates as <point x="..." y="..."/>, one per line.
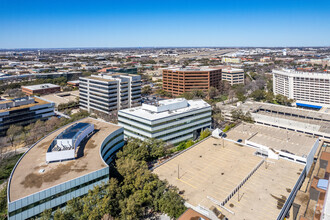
<point x="41" y="89"/>
<point x="233" y="76"/>
<point x="65" y="164"/>
<point x="231" y="60"/>
<point x="308" y="89"/>
<point x="173" y="120"/>
<point x="107" y="93"/>
<point x="24" y="111"/>
<point x="179" y="80"/>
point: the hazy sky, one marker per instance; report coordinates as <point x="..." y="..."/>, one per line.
<point x="71" y="23"/>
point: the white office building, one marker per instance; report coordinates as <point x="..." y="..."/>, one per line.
<point x="173" y="120"/>
<point x="109" y="92"/>
<point x="308" y="89"/>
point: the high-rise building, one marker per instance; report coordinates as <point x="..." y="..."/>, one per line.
<point x="107" y="93"/>
<point x="179" y="80"/>
<point x="308" y="89"/>
<point x="23" y="111"/>
<point x="173" y="120"/>
<point x="233" y="76"/>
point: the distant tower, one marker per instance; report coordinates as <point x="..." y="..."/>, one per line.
<point x="39" y="53"/>
<point x="284" y="52"/>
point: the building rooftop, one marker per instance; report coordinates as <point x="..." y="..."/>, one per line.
<point x="278" y="139"/>
<point x="194" y="69"/>
<point x="232" y="70"/>
<point x="211" y="169"/>
<point x="292" y="72"/>
<point x="101" y="79"/>
<point x="27" y="179"/>
<point x="165" y="108"/>
<point x="64" y="97"/>
<point x="37" y="101"/>
<point x="41" y="86"/>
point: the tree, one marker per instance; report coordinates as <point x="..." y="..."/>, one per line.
<point x="224" y="87"/>
<point x="146" y="90"/>
<point x="3" y="203"/>
<point x="197" y="93"/>
<point x="212" y="93"/>
<point x="13" y="132"/>
<point x="258" y="95"/>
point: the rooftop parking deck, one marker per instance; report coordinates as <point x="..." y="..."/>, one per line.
<point x="296" y="143"/>
<point x="210" y="169"/>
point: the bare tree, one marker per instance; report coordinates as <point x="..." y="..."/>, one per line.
<point x="13" y="132"/>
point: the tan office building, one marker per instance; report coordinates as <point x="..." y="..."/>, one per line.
<point x="233" y="76"/>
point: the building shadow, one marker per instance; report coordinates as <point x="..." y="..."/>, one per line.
<point x="82" y="145"/>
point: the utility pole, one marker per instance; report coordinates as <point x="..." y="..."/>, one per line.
<point x="178" y="172"/>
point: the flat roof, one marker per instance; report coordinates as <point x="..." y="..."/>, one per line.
<point x="192" y="69"/>
<point x="140" y="112"/>
<point x="100" y="79"/>
<point x="209" y="169"/>
<point x="26" y="178"/>
<point x="264" y="194"/>
<point x="64" y="97"/>
<point x="37" y="101"/>
<point x="297" y="143"/>
<point x="41" y="86"/>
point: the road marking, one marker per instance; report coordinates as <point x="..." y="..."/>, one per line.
<point x="187" y="183"/>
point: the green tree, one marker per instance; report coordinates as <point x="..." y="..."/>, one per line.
<point x="3" y="203"/>
<point x="258" y="95"/>
<point x="146" y="90"/>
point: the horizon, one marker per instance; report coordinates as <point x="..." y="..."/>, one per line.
<point x="109" y="24"/>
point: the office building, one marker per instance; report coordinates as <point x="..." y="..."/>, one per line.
<point x="308" y="89"/>
<point x="233" y="76"/>
<point x="107" y="93"/>
<point x="63" y="165"/>
<point x="179" y="80"/>
<point x="173" y="120"/>
<point x="41" y="89"/>
<point x="231" y="60"/>
<point x="23" y="111"/>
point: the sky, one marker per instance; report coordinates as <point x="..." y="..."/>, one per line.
<point x="167" y="23"/>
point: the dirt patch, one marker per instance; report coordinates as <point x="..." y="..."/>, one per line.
<point x="37" y="179"/>
<point x="280" y="200"/>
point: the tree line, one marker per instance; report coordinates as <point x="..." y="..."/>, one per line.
<point x="133" y="191"/>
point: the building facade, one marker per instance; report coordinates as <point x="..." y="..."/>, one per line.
<point x="173" y="120"/>
<point x="179" y="80"/>
<point x="305" y="87"/>
<point x="35" y="185"/>
<point x="41" y="89"/>
<point x="231" y="60"/>
<point x="108" y="93"/>
<point x="233" y="76"/>
<point x="23" y="111"/>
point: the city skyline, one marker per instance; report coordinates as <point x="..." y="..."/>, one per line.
<point x="80" y="24"/>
